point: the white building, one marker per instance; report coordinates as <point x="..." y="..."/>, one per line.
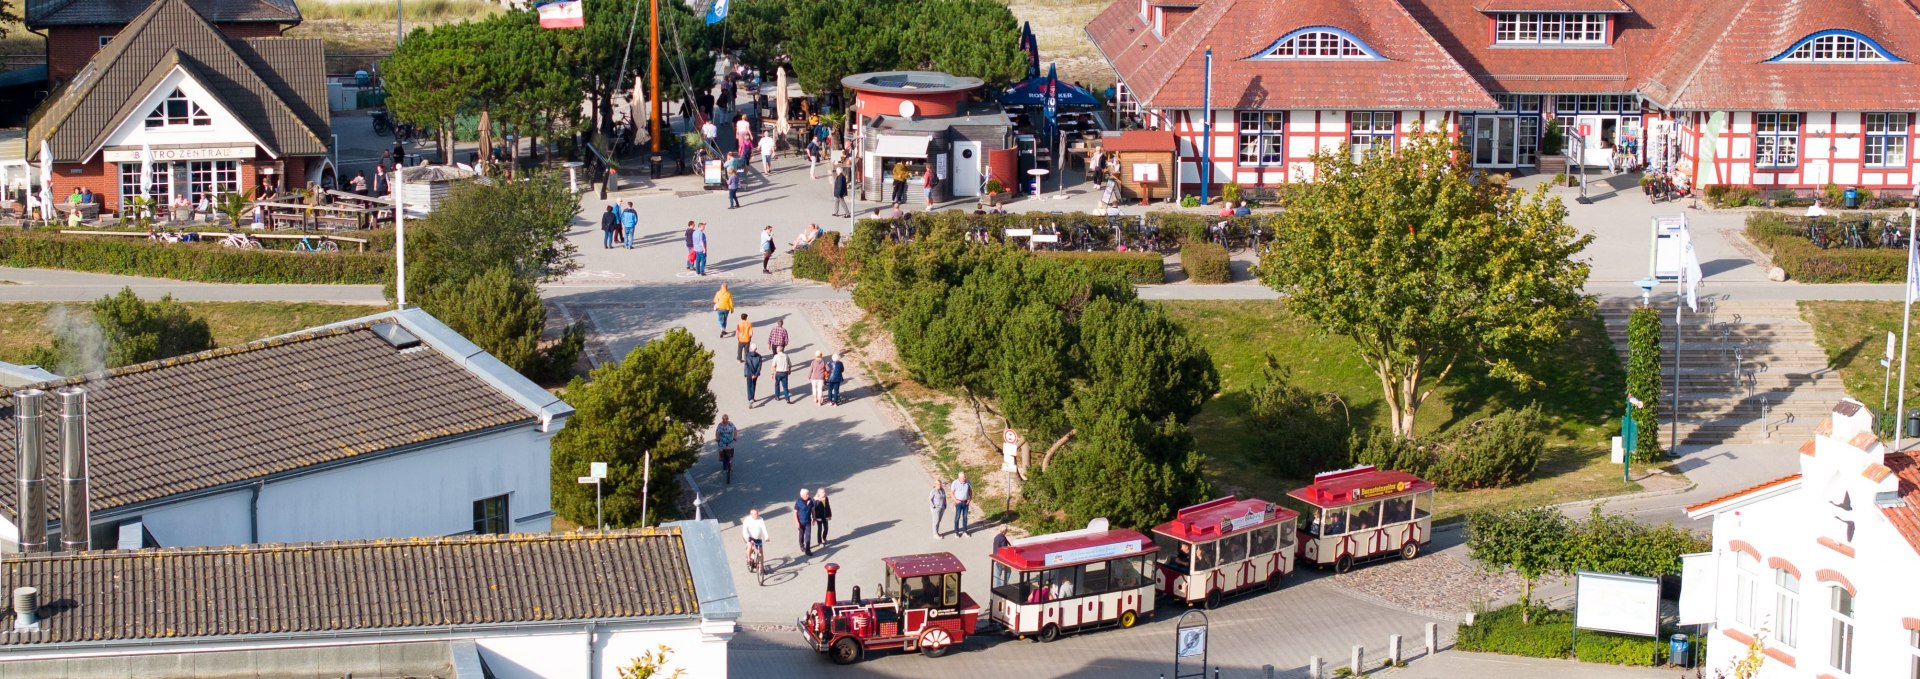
<point x="387" y="426"/>
<point x="518" y="606"/>
<point x="1819" y="565"/>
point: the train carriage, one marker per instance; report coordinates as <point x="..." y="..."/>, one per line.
<point x="1061" y="582"/>
<point x="1214" y="549"/>
<point x="920" y="607"/>
<point x="1364" y="513"/>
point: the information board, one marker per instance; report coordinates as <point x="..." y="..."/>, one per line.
<point x="1666" y="246"/>
<point x="1699" y="588"/>
<point x="1610" y="602"/>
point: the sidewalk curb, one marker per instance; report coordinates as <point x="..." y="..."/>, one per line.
<point x="1691" y="484"/>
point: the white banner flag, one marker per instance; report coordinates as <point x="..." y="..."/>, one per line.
<point x="1689" y="269"/>
<point x="1913" y="265"/>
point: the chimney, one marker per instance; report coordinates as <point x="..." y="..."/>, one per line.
<point x="832" y="568"/>
<point x="76" y="527"/>
<point x="32" y="507"/>
<point x="26" y="609"/>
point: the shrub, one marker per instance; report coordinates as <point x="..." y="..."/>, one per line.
<point x="207" y="262"/>
<point x="1190" y="201"/>
<point x="1302" y="433"/>
<point x="120" y="329"/>
<point x="1834" y="194"/>
<point x="503" y="315"/>
<point x="1807" y="263"/>
<point x="1205" y="263"/>
<point x="1499" y="451"/>
<point x="1230" y="192"/>
<point x="1382" y="449"/>
<point x="819" y="261"/>
<point x="1616" y="649"/>
<point x="1552" y="140"/>
<point x="1135" y="267"/>
<point x="1550" y="635"/>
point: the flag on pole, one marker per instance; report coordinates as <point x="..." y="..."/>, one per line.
<point x="718" y="11"/>
<point x="1689" y="269"/>
<point x="562" y="14"/>
<point x="1913" y="266"/>
<point x="46" y="180"/>
<point x="146" y="169"/>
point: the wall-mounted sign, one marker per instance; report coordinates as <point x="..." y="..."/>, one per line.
<point x="1146" y="172"/>
<point x="163" y="155"/>
<point x="1091" y="553"/>
<point x="1377" y="491"/>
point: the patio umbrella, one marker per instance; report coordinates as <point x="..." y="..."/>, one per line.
<point x="486" y="137"/>
<point x="1053" y="99"/>
<point x="146" y="169"/>
<point x="780" y="100"/>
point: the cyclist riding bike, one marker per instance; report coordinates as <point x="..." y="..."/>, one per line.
<point x="724" y="435"/>
<point x="753" y="531"/>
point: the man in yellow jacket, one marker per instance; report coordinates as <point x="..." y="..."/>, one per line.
<point x="723" y="305"/>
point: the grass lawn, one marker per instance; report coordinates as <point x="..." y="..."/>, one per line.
<point x="1580" y="381"/>
<point x="23" y="324"/>
<point x="1854" y="335"/>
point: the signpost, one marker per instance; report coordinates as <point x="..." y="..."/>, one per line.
<point x="1190" y="641"/>
<point x="596" y="473"/>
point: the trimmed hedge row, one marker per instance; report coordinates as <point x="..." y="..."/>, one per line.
<point x="205" y="262"/>
<point x="1550" y="635"/>
<point x="1805" y="262"/>
<point x="1137" y="267"/>
<point x="1205" y="263"/>
<point x="378" y="240"/>
<point x="870" y="235"/>
<point x="817" y="262"/>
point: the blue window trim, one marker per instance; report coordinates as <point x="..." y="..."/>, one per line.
<point x="1870" y="42"/>
<point x="1267" y="52"/>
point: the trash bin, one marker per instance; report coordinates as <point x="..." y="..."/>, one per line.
<point x="1853" y="198"/>
<point x="1913" y="424"/>
<point x="1680" y="651"/>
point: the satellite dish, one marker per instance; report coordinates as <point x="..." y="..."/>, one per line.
<point x="907" y="109"/>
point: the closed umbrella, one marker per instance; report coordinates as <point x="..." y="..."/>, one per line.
<point x="46" y="179"/>
<point x="486" y="137"/>
<point x="780" y="100"/>
<point x="146" y="169"/>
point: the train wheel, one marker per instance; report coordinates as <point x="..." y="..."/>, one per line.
<point x="935" y="642"/>
<point x="1343" y="564"/>
<point x="1049" y="633"/>
<point x="1128" y="619"/>
<point x="1409" y="550"/>
<point x="1275" y="581"/>
<point x="846" y="651"/>
<point x="1213" y="599"/>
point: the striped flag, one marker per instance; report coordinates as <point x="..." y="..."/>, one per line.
<point x="562" y="14"/>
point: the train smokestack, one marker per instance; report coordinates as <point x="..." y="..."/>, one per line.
<point x="76" y="525"/>
<point x="832" y="568"/>
<point x="32" y="507"/>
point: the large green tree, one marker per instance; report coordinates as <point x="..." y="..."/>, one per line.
<point x="654" y="400"/>
<point x="1532" y="542"/>
<point x="503" y="315"/>
<point x="827" y="40"/>
<point x="120" y="329"/>
<point x="1425" y="264"/>
<point x="1122" y="467"/>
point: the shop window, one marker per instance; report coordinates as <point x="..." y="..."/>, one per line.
<point x="490" y="515"/>
<point x="1840" y="644"/>
<point x="1370" y="129"/>
<point x="178" y="111"/>
<point x="1549" y="28"/>
<point x="1397" y="510"/>
<point x="1831" y="46"/>
<point x="1233" y="549"/>
<point x="1886" y="139"/>
<point x="1786" y="607"/>
<point x="1263" y="540"/>
<point x="1527" y="150"/>
<point x="161" y="189"/>
<point x="1262" y="136"/>
<point x="1318" y="43"/>
<point x="1746" y="590"/>
<point x="211" y="179"/>
<point x="1203" y="556"/>
<point x="1776" y="140"/>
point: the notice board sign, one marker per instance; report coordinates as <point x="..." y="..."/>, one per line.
<point x="1622" y="604"/>
<point x="1666" y="246"/>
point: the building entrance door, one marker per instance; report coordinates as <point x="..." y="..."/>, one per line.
<point x="1495" y="141"/>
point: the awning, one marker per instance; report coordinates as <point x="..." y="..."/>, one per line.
<point x="902" y="146"/>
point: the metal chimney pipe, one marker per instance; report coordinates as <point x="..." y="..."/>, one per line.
<point x="31" y="514"/>
<point x="26" y="608"/>
<point x="76" y="525"/>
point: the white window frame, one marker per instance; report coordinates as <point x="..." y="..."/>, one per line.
<point x="1550" y="28"/>
<point x="1771" y="137"/>
<point x="193" y="115"/>
<point x="215" y="177"/>
<point x="1746" y="590"/>
<point x="1265" y="133"/>
<point x="130" y="182"/>
<point x="1886" y="139"/>
<point x="1365" y="131"/>
<point x="1318" y="44"/>
<point x="1834" y="48"/>
<point x="1786" y="608"/>
<point x="1840" y="639"/>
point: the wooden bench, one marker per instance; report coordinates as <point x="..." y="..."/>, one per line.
<point x="1260" y="194"/>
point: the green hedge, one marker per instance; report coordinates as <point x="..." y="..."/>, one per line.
<point x="1205" y="263"/>
<point x="1550" y="635"/>
<point x="205" y="261"/>
<point x="1136" y="267"/>
<point x="816" y="262"/>
<point x="1781" y="236"/>
<point x="870" y="235"/>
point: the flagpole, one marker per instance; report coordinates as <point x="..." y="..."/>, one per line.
<point x="399" y="239"/>
<point x="653" y="67"/>
<point x="1679" y="302"/>
<point x="1206" y="128"/>
<point x="1906" y="322"/>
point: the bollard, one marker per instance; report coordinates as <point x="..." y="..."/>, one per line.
<point x="1313" y="667"/>
<point x="1433" y="638"/>
<point x="1266" y="671"/>
<point x="1358" y="653"/>
<point x="1393" y="649"/>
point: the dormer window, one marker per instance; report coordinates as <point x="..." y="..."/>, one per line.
<point x="1835" y="46"/>
<point x="178" y="111"/>
<point x="1318" y="43"/>
<point x="1549" y="28"/>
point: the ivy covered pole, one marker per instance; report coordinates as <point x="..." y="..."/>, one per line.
<point x="1643" y="383"/>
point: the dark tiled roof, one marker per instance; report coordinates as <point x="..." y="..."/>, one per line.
<point x="276" y="85"/>
<point x="233" y="414"/>
<point x="201" y="592"/>
<point x="42" y="13"/>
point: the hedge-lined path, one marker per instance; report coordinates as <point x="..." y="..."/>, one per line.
<point x="54" y="285"/>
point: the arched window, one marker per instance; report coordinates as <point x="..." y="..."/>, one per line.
<point x="1318" y="42"/>
<point x="1835" y="46"/>
<point x="178" y="111"/>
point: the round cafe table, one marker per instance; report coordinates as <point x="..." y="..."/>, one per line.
<point x="1039" y="175"/>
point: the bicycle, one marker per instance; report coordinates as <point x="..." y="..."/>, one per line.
<point x="240" y="241"/>
<point x="1855" y="234"/>
<point x="1893" y="234"/>
<point x="726" y="463"/>
<point x="1817" y="235"/>
<point x="756" y="559"/>
<point x="306" y="245"/>
<point x="382" y="125"/>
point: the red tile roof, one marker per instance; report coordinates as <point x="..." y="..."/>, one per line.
<point x="1718" y="58"/>
<point x="1139" y="140"/>
<point x="1463" y="30"/>
<point x="1414" y="73"/>
<point x="1551" y="6"/>
<point x="1906" y="518"/>
<point x="1738" y="493"/>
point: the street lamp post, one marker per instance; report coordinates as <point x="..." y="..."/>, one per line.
<point x="1646" y="285"/>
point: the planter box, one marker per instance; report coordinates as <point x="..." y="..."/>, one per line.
<point x="1551" y="165"/>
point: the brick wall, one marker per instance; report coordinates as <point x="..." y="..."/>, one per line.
<point x="98" y="175"/>
<point x="69" y="47"/>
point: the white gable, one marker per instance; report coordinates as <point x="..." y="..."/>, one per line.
<point x="223" y="129"/>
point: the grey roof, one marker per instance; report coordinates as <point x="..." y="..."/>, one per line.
<point x="341" y="588"/>
<point x="42" y="13"/>
<point x="277" y="86"/>
<point x="17" y="375"/>
<point x="322" y="397"/>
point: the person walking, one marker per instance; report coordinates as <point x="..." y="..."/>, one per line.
<point x="766" y="249"/>
<point x="777" y="337"/>
<point x="962" y="501"/>
<point x="900" y="176"/>
<point x="733" y="190"/>
<point x="813" y="157"/>
<point x="743" y="338"/>
<point x="937" y="504"/>
<point x="380" y="179"/>
<point x="723" y="305"/>
<point x="803" y="519"/>
<point x="781" y="366"/>
<point x="724" y="436"/>
<point x="822" y="512"/>
<point x="752" y="372"/>
<point x="836" y="373"/>
<point x="840" y="208"/>
<point x="609" y="224"/>
<point x="689" y="239"/>
<point x="629" y="220"/>
<point x="927" y="183"/>
<point x="817" y="378"/>
<point x="766" y="152"/>
<point x="700" y="261"/>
